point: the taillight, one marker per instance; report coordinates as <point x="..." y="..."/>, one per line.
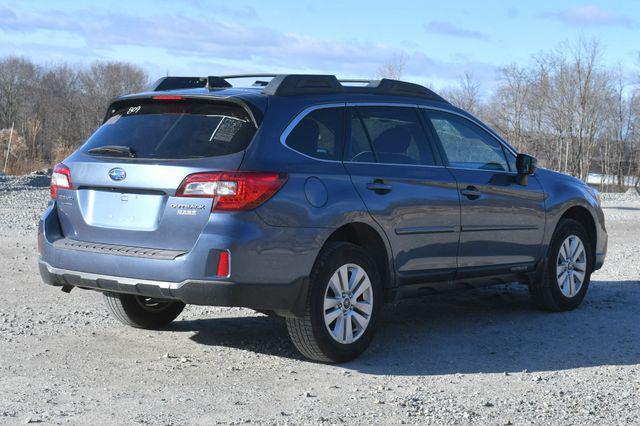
<point x="232" y="190"/>
<point x="61" y="178"/>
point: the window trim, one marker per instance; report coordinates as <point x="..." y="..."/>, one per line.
<point x="302" y="114"/>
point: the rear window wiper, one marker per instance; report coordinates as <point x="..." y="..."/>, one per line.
<point x="114" y="150"/>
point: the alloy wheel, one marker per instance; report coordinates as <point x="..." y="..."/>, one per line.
<point x="348" y="303"/>
<point x="571" y="266"/>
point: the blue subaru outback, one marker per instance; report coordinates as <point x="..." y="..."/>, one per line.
<point x="309" y="198"/>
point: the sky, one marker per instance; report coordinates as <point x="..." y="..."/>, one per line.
<point x="441" y="40"/>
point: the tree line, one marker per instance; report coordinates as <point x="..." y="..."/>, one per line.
<point x="53" y="109"/>
<point x="565" y="107"/>
<point x="568" y="109"/>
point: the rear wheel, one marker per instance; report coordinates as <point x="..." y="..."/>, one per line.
<point x="568" y="269"/>
<point x="343" y="305"/>
<point x="142" y="312"/>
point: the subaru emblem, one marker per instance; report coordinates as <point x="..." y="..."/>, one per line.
<point x="117" y="174"/>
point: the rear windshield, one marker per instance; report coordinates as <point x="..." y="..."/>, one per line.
<point x="174" y="130"/>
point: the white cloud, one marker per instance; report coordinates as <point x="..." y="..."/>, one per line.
<point x="592" y="16"/>
<point x="181" y="41"/>
<point x="447" y="28"/>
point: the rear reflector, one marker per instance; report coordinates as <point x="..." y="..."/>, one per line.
<point x="60" y="178"/>
<point x="232" y="190"/>
<point x="223" y="264"/>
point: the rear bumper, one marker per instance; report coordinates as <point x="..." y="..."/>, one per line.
<point x="269" y="265"/>
<point x="284" y="298"/>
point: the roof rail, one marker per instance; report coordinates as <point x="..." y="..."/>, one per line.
<point x="357" y="80"/>
<point x="300" y="84"/>
<point x="232" y="76"/>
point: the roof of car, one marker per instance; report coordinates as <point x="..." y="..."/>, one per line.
<point x="307" y="87"/>
<point x="291" y="85"/>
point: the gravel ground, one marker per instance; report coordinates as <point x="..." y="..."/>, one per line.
<point x="485" y="356"/>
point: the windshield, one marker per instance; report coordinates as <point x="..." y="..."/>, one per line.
<point x="174" y="130"/>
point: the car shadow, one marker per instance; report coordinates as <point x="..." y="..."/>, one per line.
<point x="490" y="330"/>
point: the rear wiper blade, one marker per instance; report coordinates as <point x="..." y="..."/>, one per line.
<point x="115" y="150"/>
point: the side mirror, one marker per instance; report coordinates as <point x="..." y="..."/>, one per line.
<point x="525" y="165"/>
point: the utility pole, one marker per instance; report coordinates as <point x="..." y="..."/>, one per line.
<point x="6" y="158"/>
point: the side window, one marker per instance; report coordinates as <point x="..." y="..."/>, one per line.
<point x="319" y="134"/>
<point x="466" y="144"/>
<point x="360" y="150"/>
<point x="511" y="159"/>
<point x="391" y="135"/>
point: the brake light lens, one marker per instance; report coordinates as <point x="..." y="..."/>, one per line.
<point x="232" y="190"/>
<point x="60" y="179"/>
<point x="168" y="98"/>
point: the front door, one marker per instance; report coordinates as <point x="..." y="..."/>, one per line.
<point x="398" y="174"/>
<point x="502" y="220"/>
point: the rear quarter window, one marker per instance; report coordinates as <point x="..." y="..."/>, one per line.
<point x="175" y="130"/>
<point x="319" y="134"/>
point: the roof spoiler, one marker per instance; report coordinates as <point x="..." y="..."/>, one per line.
<point x="301" y="84"/>
<point x="175" y="83"/>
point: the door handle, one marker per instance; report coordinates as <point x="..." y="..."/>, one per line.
<point x="379" y="186"/>
<point x="471" y="192"/>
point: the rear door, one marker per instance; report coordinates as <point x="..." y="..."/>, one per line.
<point x="502" y="220"/>
<point x="126" y="175"/>
<point x="397" y="173"/>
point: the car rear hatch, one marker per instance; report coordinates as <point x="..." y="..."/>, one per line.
<point x="125" y="177"/>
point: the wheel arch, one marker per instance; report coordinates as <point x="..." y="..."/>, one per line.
<point x="583" y="216"/>
<point x="369" y="238"/>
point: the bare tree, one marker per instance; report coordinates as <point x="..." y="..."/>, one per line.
<point x="467" y="94"/>
<point x="564" y="106"/>
<point x="393" y="68"/>
<point x="56" y="108"/>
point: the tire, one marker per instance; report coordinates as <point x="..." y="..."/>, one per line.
<point x="548" y="293"/>
<point x="311" y="334"/>
<point x="141" y="312"/>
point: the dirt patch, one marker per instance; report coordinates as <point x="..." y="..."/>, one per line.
<point x="485" y="356"/>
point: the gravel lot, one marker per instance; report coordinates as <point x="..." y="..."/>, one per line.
<point x="484" y="357"/>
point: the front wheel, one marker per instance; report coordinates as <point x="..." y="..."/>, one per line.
<point x="142" y="312"/>
<point x="568" y="269"/>
<point x="343" y="305"/>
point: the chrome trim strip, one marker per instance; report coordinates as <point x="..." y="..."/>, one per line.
<point x="382" y="104"/>
<point x="94" y="278"/>
<point x="298" y="118"/>
<point x="435" y="166"/>
<point x="504" y="172"/>
<point x="308" y="110"/>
